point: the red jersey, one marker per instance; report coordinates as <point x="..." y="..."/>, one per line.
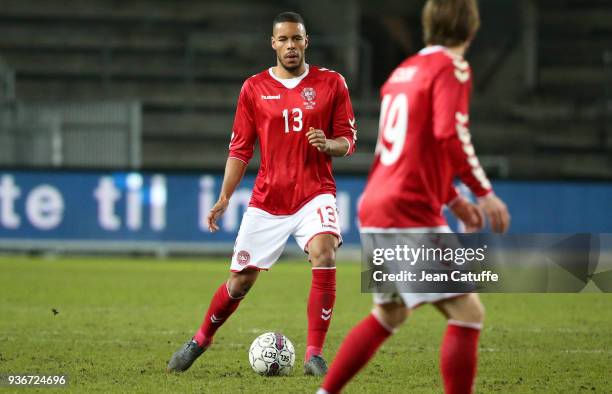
<point x="423" y="143"/>
<point x="279" y="113"/>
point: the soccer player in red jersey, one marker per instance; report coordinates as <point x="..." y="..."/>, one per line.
<point x="424" y="142"/>
<point x="302" y="116"/>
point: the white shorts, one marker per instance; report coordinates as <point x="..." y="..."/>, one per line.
<point x="262" y="236"/>
<point x="411" y="300"/>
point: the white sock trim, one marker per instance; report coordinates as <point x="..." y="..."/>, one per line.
<point x="459" y="323"/>
<point x="321" y="391"/>
<point x="380" y="321"/>
<point x="323" y="268"/>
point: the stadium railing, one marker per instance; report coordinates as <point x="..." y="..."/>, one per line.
<point x="97" y="134"/>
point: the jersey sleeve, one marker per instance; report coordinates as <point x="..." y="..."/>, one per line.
<point x="244" y="132"/>
<point x="451" y="97"/>
<point x="343" y="125"/>
<point x="452" y="196"/>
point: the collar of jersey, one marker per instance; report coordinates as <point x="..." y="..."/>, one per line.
<point x="290" y="83"/>
<point x="432" y="49"/>
<point x="438" y="48"/>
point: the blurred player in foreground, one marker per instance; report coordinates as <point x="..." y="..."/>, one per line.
<point x="302" y="116"/>
<point x="424" y="142"/>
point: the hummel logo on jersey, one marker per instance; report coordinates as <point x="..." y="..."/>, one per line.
<point x="264" y="97"/>
<point x="466" y="141"/>
<point x="462" y="76"/>
<point x="462" y="70"/>
<point x="462" y="118"/>
<point x="353" y="129"/>
<point x="461" y="64"/>
<point x="214" y="319"/>
<point x="326" y="313"/>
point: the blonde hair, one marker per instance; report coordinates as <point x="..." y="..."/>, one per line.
<point x="450" y="22"/>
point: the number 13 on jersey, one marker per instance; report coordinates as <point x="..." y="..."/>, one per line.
<point x="296" y="116"/>
<point x="327" y="215"/>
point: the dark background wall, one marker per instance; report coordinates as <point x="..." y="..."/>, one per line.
<point x="541" y="105"/>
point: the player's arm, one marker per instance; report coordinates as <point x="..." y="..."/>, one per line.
<point x="451" y="92"/>
<point x="452" y="196"/>
<point x="468" y="169"/>
<point x="470" y="214"/>
<point x="240" y="152"/>
<point x="344" y="131"/>
<point x="334" y="147"/>
<point x="471" y="173"/>
<point x="234" y="171"/>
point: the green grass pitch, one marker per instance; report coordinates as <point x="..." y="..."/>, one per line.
<point x="119" y="321"/>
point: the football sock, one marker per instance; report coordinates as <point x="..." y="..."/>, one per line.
<point x="355" y="351"/>
<point x="320" y="305"/>
<point x="221" y="307"/>
<point x="459" y="356"/>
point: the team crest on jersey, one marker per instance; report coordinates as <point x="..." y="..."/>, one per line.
<point x="243" y="257"/>
<point x="309" y="94"/>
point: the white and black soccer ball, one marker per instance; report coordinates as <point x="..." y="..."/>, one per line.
<point x="272" y="354"/>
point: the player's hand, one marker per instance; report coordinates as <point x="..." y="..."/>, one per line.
<point x="317" y="139"/>
<point x="215" y="213"/>
<point x="470" y="214"/>
<point x="496" y="212"/>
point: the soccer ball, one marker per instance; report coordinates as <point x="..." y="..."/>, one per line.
<point x="272" y="354"/>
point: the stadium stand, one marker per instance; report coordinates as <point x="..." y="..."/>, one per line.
<point x="568" y="109"/>
<point x="184" y="61"/>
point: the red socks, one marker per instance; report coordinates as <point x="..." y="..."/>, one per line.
<point x="221" y="307"/>
<point x="459" y="356"/>
<point x="356" y="350"/>
<point x="320" y="305"/>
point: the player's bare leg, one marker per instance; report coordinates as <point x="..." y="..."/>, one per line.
<point x="322" y="254"/>
<point x="459" y="350"/>
<point x="391" y="315"/>
<point x="355" y="352"/>
<point x="224" y="302"/>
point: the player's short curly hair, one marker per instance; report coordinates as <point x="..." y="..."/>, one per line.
<point x="288" y="16"/>
<point x="450" y="22"/>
